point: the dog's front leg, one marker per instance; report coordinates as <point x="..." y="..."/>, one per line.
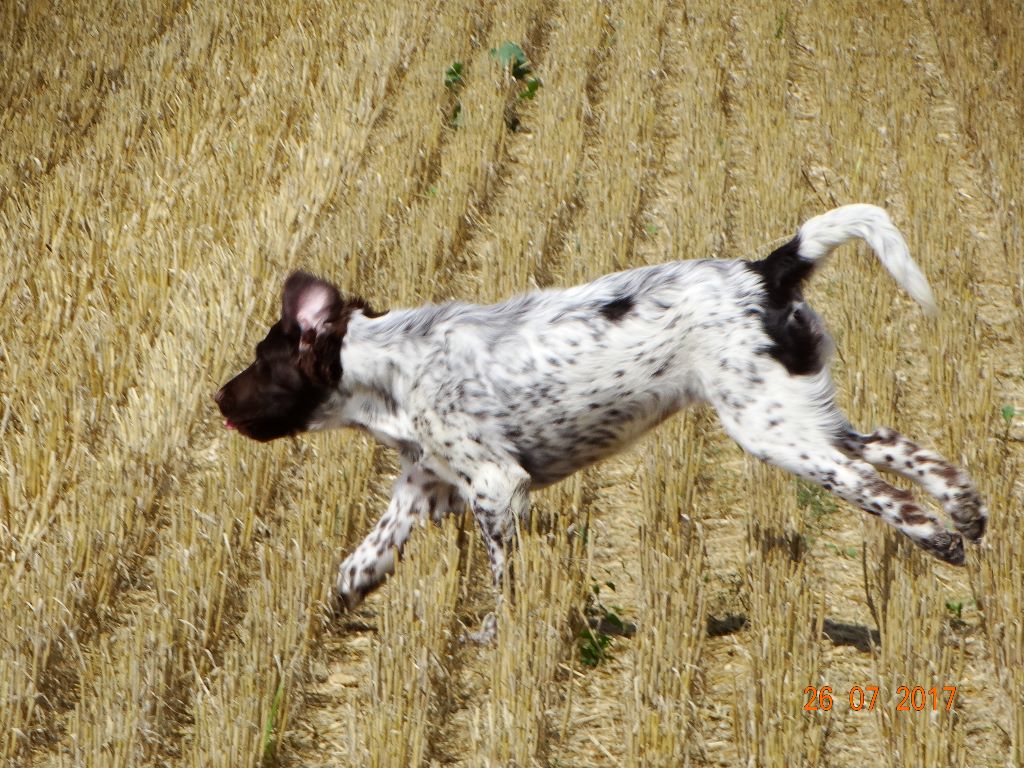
<point x="500" y="498"/>
<point x="418" y="495"/>
<point x="457" y="428"/>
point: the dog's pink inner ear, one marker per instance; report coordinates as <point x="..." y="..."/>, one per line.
<point x="314" y="308"/>
<point x="309" y="302"/>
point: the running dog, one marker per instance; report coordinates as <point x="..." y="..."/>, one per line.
<point x="486" y="403"/>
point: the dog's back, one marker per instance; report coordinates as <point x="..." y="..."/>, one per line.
<point x="567" y="377"/>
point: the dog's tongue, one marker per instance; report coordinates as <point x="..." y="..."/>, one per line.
<point x="229" y="425"/>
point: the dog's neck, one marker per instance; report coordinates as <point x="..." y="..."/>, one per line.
<point x="378" y="362"/>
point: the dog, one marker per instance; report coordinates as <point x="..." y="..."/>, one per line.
<point x="485" y="403"/>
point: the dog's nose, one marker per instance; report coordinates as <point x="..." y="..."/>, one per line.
<point x="218" y="396"/>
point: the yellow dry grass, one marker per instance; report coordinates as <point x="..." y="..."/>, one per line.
<point x="164" y="164"/>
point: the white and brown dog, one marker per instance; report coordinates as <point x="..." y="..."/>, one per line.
<point x="485" y="403"/>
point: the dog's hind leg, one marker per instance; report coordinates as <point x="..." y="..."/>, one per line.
<point x="858" y="483"/>
<point x="950" y="485"/>
<point x="794" y="425"/>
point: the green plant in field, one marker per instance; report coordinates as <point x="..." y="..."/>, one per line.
<point x="269" y="744"/>
<point x="780" y="24"/>
<point x="453" y="76"/>
<point x="602" y="623"/>
<point x="816" y="500"/>
<point x="955" y="608"/>
<point x="593" y="646"/>
<point x="1008" y="412"/>
<point x="531" y="89"/>
<point x="511" y="55"/>
<point x="453" y="81"/>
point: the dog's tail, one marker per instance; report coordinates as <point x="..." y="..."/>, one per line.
<point x="788" y="265"/>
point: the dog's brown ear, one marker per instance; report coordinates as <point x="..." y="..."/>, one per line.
<point x="310" y="304"/>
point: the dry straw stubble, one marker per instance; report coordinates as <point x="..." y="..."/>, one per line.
<point x="164" y="165"/>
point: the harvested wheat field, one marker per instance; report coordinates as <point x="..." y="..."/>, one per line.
<point x="163" y="166"/>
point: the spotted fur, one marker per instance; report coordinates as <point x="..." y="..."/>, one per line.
<point x="486" y="403"/>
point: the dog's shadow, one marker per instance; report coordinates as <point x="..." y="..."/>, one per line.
<point x="838" y="632"/>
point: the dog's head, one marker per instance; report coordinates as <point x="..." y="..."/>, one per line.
<point x="297" y="366"/>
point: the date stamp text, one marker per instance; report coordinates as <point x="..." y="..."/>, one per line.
<point x="865" y="698"/>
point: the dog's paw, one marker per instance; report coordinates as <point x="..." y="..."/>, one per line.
<point x="349" y="591"/>
<point x="969" y="514"/>
<point x="947" y="546"/>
